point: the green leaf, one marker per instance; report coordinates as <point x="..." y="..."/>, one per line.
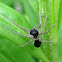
<point x="30" y="14"/>
<point x="51" y="8"/>
<point x="34" y="4"/>
<point x="59" y="33"/>
<point x="60" y="14"/>
<point x="8" y="12"/>
<point x="59" y="44"/>
<point x="9" y="52"/>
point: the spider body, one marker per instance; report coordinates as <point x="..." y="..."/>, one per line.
<point x="37" y="43"/>
<point x="34" y="32"/>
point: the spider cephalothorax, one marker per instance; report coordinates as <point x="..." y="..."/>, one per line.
<point x="34" y="32"/>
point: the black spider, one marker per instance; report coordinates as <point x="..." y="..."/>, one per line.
<point x="34" y="34"/>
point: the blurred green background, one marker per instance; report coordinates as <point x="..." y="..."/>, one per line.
<point x="9" y="52"/>
<point x="59" y="50"/>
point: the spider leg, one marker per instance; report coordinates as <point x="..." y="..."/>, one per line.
<point x="44" y="24"/>
<point x="46" y="41"/>
<point x="48" y="29"/>
<point x="40" y="20"/>
<point x="18" y="33"/>
<point x="43" y="16"/>
<point x="26" y="43"/>
<point x="20" y="26"/>
<point x="26" y="30"/>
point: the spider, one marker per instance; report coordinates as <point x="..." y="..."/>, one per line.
<point x="33" y="33"/>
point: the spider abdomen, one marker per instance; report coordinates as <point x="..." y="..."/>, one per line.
<point x="37" y="43"/>
<point x="34" y="32"/>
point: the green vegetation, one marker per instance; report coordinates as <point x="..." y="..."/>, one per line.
<point x="29" y="16"/>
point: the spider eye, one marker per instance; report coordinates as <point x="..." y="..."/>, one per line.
<point x="34" y="32"/>
<point x="37" y="43"/>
